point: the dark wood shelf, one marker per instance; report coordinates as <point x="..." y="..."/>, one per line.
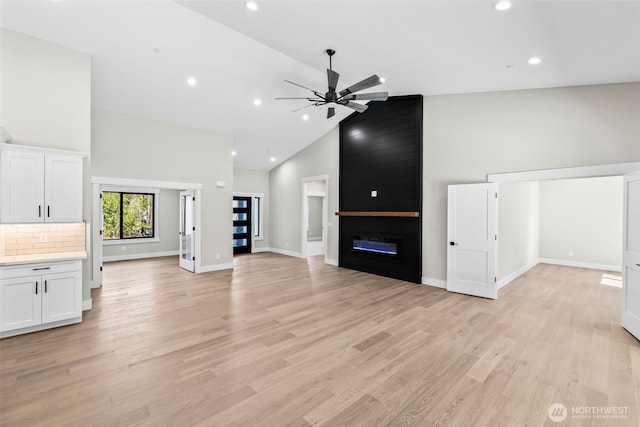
<point x="386" y="214"/>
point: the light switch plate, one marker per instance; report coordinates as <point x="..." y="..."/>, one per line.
<point x="374" y="193"/>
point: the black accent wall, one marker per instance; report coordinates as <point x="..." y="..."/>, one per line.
<point x="381" y="151"/>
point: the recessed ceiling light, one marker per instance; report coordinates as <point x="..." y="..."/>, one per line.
<point x="191" y="81"/>
<point x="382" y="80"/>
<point x="156" y="50"/>
<point x="273" y="159"/>
<point x="251" y="5"/>
<point x="502" y="5"/>
<point x="233" y="153"/>
<point x="534" y="60"/>
<point x="257" y="102"/>
<point x="305" y="117"/>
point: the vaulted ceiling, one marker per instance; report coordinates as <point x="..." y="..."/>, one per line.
<point x="144" y="51"/>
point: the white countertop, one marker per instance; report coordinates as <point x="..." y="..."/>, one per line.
<point x="36" y="258"/>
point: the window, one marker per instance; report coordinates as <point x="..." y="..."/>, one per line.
<point x="257" y="217"/>
<point x="128" y="215"/>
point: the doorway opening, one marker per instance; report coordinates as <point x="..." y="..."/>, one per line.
<point x="99" y="184"/>
<point x="485" y="196"/>
<point x="314" y="216"/>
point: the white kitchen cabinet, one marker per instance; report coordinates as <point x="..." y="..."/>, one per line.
<point x="39" y="185"/>
<point x="39" y="296"/>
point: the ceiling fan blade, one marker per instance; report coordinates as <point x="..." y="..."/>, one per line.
<point x="331" y="112"/>
<point x="303" y="97"/>
<point x="373" y="96"/>
<point x="355" y="106"/>
<point x="364" y="84"/>
<point x="303" y="87"/>
<point x="333" y="77"/>
<point x="306" y="106"/>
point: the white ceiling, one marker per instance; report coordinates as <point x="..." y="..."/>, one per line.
<point x="426" y="47"/>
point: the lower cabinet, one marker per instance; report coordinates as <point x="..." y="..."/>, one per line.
<point x="39" y="296"/>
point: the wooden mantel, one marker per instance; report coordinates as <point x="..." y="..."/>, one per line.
<point x="387" y="214"/>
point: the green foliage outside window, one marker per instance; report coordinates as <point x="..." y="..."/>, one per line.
<point x="127" y="215"/>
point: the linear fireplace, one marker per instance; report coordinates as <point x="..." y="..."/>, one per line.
<point x="376" y="245"/>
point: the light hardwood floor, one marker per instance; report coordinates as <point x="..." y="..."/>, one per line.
<point x="282" y="341"/>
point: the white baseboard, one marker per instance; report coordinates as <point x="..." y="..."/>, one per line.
<point x="331" y="261"/>
<point x="258" y="250"/>
<point x="616" y="268"/>
<point x="214" y="267"/>
<point x="127" y="257"/>
<point x="87" y="304"/>
<point x="434" y="282"/>
<point x="288" y="253"/>
<point x="519" y="272"/>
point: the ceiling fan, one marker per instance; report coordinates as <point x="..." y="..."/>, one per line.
<point x="344" y="97"/>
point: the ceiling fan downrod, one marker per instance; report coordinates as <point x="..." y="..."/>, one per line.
<point x="330" y="52"/>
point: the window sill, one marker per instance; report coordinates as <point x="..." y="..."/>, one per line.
<point x="129" y="241"/>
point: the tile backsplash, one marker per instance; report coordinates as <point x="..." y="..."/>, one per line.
<point x="30" y="239"/>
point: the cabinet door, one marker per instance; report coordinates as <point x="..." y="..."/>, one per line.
<point x="20" y="302"/>
<point x="21" y="186"/>
<point x="61" y="296"/>
<point x="63" y="188"/>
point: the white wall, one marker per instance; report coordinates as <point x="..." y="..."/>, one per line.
<point x="469" y="136"/>
<point x="582" y="216"/>
<point x="126" y="146"/>
<point x="518" y="228"/>
<point x="319" y="158"/>
<point x="168" y="218"/>
<point x="255" y="182"/>
<point x="45" y="101"/>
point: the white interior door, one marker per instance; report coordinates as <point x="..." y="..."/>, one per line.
<point x="471" y="240"/>
<point x="187" y="230"/>
<point x="631" y="255"/>
<point x="97" y="230"/>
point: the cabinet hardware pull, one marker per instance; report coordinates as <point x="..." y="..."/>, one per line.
<point x="39" y="211"/>
<point x="45" y="286"/>
<point x="48" y="213"/>
<point x="41" y="268"/>
<point x="36" y="288"/>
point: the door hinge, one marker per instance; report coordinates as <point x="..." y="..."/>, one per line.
<point x="194" y="229"/>
<point x="496" y="195"/>
<point x="193" y="258"/>
<point x="100" y="268"/>
<point x="194" y="199"/>
<point x="101" y="232"/>
<point x="101" y="195"/>
<point x="495" y="280"/>
<point x="496" y="237"/>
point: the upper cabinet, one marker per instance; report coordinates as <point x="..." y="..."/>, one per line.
<point x="39" y="185"/>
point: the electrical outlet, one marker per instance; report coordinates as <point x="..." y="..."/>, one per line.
<point x="570" y="253"/>
<point x="124" y="248"/>
<point x="217" y="256"/>
<point x="43" y="238"/>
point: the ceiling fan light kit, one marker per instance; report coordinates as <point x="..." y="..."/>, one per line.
<point x="345" y="96"/>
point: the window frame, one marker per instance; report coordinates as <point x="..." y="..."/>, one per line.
<point x="156" y="215"/>
<point x="258" y="223"/>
